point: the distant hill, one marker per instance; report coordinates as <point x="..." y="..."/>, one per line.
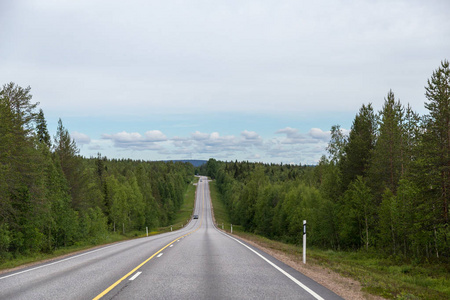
<point x="194" y="162"/>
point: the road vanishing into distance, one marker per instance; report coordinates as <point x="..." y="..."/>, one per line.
<point x="196" y="262"/>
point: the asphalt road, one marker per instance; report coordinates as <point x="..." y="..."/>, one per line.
<point x="197" y="262"/>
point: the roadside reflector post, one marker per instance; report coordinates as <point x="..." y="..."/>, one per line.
<point x="123" y="228"/>
<point x="222" y="226"/>
<point x="304" y="241"/>
<point x="231" y="228"/>
<point x="146" y="229"/>
<point x="170" y="227"/>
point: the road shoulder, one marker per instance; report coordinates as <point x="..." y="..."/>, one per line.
<point x="345" y="287"/>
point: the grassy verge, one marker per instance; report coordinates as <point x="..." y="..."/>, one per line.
<point x="185" y="212"/>
<point x="180" y="220"/>
<point x="377" y="275"/>
<point x="220" y="211"/>
<point x="36" y="257"/>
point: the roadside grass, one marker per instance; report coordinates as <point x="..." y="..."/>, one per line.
<point x="385" y="277"/>
<point x="184" y="215"/>
<point x="80" y="246"/>
<point x="180" y="219"/>
<point x="220" y="211"/>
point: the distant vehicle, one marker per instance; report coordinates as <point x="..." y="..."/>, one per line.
<point x="201" y="180"/>
<point x="195" y="216"/>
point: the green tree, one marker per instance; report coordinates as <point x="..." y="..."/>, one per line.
<point x="120" y="211"/>
<point x="41" y="129"/>
<point x="337" y="144"/>
<point x="66" y="150"/>
<point x="211" y="168"/>
<point x="388" y="157"/>
<point x="389" y="218"/>
<point x="433" y="163"/>
<point x="268" y="198"/>
<point x="358" y="149"/>
<point x="359" y="210"/>
<point x="19" y="166"/>
<point x="437" y="135"/>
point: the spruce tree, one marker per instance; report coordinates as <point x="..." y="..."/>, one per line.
<point x="437" y="136"/>
<point x="358" y="149"/>
<point x="387" y="159"/>
<point x="41" y="129"/>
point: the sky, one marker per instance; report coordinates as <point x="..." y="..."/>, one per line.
<point x="261" y="81"/>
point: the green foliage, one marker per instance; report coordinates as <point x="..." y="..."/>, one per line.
<point x="385" y="187"/>
<point x="388" y="158"/>
<point x="41" y="129"/>
<point x="358" y="149"/>
<point x="50" y="197"/>
<point x="211" y="168"/>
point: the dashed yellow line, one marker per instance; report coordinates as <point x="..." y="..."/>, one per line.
<point x="148" y="259"/>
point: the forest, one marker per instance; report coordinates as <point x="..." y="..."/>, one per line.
<point x="51" y="197"/>
<point x="384" y="187"/>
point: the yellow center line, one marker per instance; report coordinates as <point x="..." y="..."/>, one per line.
<point x="148" y="259"/>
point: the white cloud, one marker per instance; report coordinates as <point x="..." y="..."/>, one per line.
<point x="293" y="136"/>
<point x="123" y="137"/>
<point x="135" y="141"/>
<point x="250" y="135"/>
<point x="155" y="136"/>
<point x="319" y="134"/>
<point x="80" y="138"/>
<point x="199" y="135"/>
<point x="250" y="138"/>
<point x="293" y="146"/>
<point x="280" y="59"/>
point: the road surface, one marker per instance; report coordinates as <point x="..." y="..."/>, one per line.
<point x="196" y="262"/>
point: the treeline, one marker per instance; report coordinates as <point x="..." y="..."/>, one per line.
<point x="384" y="187"/>
<point x="51" y="197"/>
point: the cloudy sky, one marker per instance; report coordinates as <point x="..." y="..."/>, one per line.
<point x="246" y="80"/>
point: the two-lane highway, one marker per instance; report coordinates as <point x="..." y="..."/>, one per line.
<point x="198" y="261"/>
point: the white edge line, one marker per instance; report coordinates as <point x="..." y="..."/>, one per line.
<point x="60" y="261"/>
<point x="135" y="276"/>
<point x="278" y="268"/>
<point x="56" y="262"/>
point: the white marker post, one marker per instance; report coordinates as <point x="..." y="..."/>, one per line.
<point x="304" y="241"/>
<point x="146" y="229"/>
<point x="170" y="227"/>
<point x="231" y="228"/>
